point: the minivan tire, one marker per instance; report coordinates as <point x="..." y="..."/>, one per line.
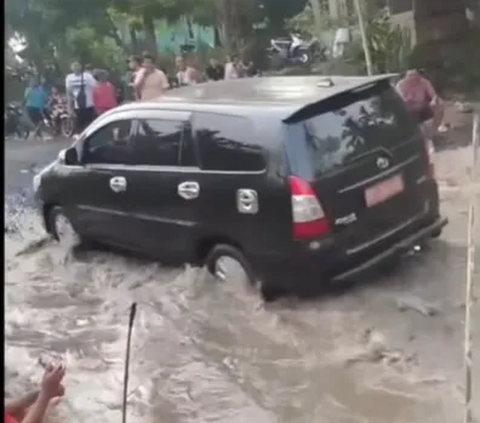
<point x="54" y="216"/>
<point x="268" y="290"/>
<point x="225" y="250"/>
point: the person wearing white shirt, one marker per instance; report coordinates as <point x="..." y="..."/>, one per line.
<point x="79" y="87"/>
<point x="187" y="74"/>
<point x="232" y="68"/>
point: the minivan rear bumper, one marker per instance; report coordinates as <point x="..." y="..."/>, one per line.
<point x="392" y="252"/>
<point x="328" y="265"/>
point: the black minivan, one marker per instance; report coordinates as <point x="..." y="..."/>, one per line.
<point x="301" y="180"/>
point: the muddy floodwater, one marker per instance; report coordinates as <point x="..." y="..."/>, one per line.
<point x="388" y="350"/>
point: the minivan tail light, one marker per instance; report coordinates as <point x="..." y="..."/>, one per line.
<point x="430" y="152"/>
<point x="309" y="219"/>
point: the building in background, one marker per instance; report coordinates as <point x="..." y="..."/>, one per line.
<point x="174" y="37"/>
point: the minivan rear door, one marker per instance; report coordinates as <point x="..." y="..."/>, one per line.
<point x="366" y="161"/>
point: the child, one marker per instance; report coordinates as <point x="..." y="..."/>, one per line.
<point x="104" y="94"/>
<point x="57" y="107"/>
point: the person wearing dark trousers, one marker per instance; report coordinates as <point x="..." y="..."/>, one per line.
<point x="79" y="86"/>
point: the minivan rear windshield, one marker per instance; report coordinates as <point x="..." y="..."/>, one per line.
<point x="341" y="130"/>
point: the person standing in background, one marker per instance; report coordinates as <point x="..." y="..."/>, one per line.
<point x="421" y="99"/>
<point x="249" y="70"/>
<point x="36" y="101"/>
<point x="187" y="74"/>
<point x="134" y="65"/>
<point x="150" y="82"/>
<point x="215" y="71"/>
<point x="48" y="87"/>
<point x="79" y="87"/>
<point x="232" y="68"/>
<point x="104" y="94"/>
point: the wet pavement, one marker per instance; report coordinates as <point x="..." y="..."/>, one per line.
<point x="204" y="351"/>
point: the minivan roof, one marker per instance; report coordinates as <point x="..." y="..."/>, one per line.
<point x="287" y="94"/>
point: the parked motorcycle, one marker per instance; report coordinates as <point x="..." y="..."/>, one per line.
<point x="292" y="50"/>
<point x="16" y="122"/>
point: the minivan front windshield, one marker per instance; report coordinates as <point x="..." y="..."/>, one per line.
<point x="355" y="126"/>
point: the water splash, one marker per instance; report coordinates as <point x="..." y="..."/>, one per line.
<point x="203" y="350"/>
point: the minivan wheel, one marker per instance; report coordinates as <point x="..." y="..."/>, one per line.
<point x="226" y="262"/>
<point x="61" y="228"/>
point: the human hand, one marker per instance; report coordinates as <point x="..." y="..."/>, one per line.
<point x="51" y="385"/>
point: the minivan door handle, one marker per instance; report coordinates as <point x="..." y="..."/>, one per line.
<point x="118" y="184"/>
<point x="189" y="190"/>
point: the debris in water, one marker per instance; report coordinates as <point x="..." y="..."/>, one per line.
<point x="10" y="229"/>
<point x="434" y="380"/>
<point x="418" y="305"/>
<point x="374" y="350"/>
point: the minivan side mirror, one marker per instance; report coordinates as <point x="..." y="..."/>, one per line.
<point x="68" y="157"/>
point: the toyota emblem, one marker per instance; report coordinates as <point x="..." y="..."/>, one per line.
<point x="382" y="163"/>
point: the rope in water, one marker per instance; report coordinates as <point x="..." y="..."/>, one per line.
<point x="469" y="291"/>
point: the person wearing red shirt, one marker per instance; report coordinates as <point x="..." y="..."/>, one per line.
<point x="104" y="95"/>
<point x="32" y="407"/>
<point x="421" y="100"/>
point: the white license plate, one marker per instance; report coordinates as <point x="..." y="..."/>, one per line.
<point x="384" y="190"/>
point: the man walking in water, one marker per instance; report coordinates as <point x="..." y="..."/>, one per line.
<point x="79" y="87"/>
<point x="150" y="82"/>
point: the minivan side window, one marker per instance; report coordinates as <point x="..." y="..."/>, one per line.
<point x="111" y="144"/>
<point x="158" y="142"/>
<point x="226" y="143"/>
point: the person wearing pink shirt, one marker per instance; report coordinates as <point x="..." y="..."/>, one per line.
<point x="421" y="99"/>
<point x="104" y="95"/>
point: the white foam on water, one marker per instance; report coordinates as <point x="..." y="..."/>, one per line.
<point x="204" y="350"/>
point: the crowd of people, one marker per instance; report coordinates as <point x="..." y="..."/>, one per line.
<point x="89" y="93"/>
<point x="148" y="81"/>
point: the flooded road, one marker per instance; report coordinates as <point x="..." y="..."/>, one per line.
<point x="205" y="351"/>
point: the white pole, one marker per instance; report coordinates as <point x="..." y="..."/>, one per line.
<point x="469" y="291"/>
<point x="366" y="47"/>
